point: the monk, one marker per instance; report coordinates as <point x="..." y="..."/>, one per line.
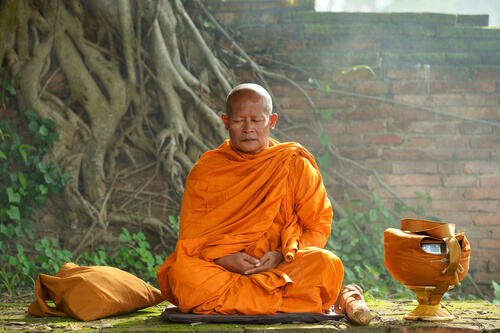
<point x="254" y="219"/>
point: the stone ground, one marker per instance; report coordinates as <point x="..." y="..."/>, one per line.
<point x="473" y="316"/>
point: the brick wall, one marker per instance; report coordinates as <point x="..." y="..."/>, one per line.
<point x="427" y="119"/>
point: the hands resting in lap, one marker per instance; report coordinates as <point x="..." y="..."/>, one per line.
<point x="242" y="263"/>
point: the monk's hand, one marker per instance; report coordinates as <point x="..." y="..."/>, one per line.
<point x="268" y="261"/>
<point x="237" y="262"/>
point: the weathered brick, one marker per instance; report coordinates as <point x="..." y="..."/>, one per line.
<point x="437" y="72"/>
<point x="375" y="17"/>
<point x="235" y="6"/>
<point x="366" y="127"/>
<point x="451" y="167"/>
<point x="473" y="20"/>
<point x="485" y="73"/>
<point x="459" y="181"/>
<point x="431" y="100"/>
<point x="492" y="58"/>
<point x="449" y="44"/>
<point x="487" y="220"/>
<point x="416" y="155"/>
<point x="346" y="140"/>
<point x="463" y="58"/>
<point x="425" y="58"/>
<point x="428" y="18"/>
<point x="414" y="167"/>
<point x="489" y="243"/>
<point x="415" y="115"/>
<point x="481" y="277"/>
<point x="290" y="91"/>
<point x="334" y="128"/>
<point x="230" y="17"/>
<point x="481" y="100"/>
<point x="371" y="88"/>
<point x="485" y="45"/>
<point x="484" y="206"/>
<point x="490" y="180"/>
<point x="360" y="153"/>
<point x="495" y="234"/>
<point x="369" y="29"/>
<point x="368" y="114"/>
<point x="383" y="139"/>
<point x="420" y="142"/>
<point x="488" y="142"/>
<point x="411" y="180"/>
<point x="408" y="87"/>
<point x="462" y="86"/>
<point x="452" y="142"/>
<point x="292" y="44"/>
<point x="481" y="167"/>
<point x="482" y="193"/>
<point x="481" y="154"/>
<point x="320" y="29"/>
<point x="446" y="193"/>
<point x="466" y="32"/>
<point x="431" y="128"/>
<point x="419" y="30"/>
<point x="469" y="128"/>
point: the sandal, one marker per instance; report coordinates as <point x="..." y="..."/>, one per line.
<point x="351" y="302"/>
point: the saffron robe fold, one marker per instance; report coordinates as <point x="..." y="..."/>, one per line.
<point x="253" y="203"/>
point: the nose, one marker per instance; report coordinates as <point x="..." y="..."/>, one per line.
<point x="248" y="127"/>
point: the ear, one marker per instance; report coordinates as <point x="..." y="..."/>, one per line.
<point x="273" y="118"/>
<point x="225" y="119"/>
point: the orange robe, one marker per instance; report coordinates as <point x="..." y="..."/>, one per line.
<point x="237" y="202"/>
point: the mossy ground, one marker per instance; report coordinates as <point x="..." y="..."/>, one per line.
<point x="473" y="316"/>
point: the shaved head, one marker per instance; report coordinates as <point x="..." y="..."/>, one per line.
<point x="249" y="91"/>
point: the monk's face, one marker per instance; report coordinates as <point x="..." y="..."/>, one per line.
<point x="249" y="121"/>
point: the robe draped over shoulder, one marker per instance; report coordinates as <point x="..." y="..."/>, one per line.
<point x="253" y="203"/>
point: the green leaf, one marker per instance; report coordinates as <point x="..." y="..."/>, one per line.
<point x="355" y="256"/>
<point x="373" y="215"/>
<point x="2" y="155"/>
<point x="42" y="167"/>
<point x="9" y="88"/>
<point x="13" y="213"/>
<point x="324" y="139"/>
<point x="43" y="189"/>
<point x="326" y="114"/>
<point x="22" y="150"/>
<point x="33" y="126"/>
<point x="12" y="261"/>
<point x="43" y="130"/>
<point x="38" y="247"/>
<point x="49" y="123"/>
<point x="14" y="197"/>
<point x="22" y="179"/>
<point x="325" y="161"/>
<point x="31" y="114"/>
<point x="47" y="178"/>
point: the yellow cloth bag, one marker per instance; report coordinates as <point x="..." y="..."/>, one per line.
<point x="90" y="293"/>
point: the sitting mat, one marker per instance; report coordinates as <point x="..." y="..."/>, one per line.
<point x="172" y="313"/>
